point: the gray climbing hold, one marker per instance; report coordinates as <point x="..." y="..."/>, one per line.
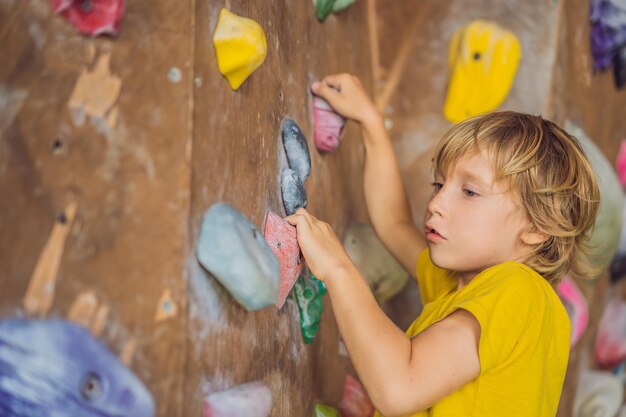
<point x="296" y="149"/>
<point x="235" y="252"/>
<point x="293" y="191"/>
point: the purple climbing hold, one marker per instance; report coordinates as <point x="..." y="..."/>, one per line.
<point x="608" y="32"/>
<point x="58" y="368"/>
<point x="296" y="149"/>
<point x="293" y="191"/>
<point x="235" y="252"/>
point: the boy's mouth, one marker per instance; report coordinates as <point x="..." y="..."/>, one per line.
<point x="432" y="233"/>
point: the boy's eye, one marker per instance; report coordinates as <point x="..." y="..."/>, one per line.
<point x="437" y="186"/>
<point x="470" y="193"/>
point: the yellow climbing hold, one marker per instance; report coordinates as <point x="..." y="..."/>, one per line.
<point x="483" y="60"/>
<point x="240" y="47"/>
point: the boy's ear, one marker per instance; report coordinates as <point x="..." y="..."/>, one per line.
<point x="533" y="237"/>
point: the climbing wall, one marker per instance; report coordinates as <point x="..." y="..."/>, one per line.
<point x="113" y="148"/>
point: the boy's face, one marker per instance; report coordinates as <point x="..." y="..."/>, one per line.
<point x="472" y="221"/>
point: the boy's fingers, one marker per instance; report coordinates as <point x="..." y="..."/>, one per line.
<point x="298" y="219"/>
<point x="324" y="90"/>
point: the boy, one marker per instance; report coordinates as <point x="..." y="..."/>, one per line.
<point x="513" y="202"/>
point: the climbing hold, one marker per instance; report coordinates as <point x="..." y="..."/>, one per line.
<point x="606" y="232"/>
<point x="610" y="348"/>
<point x="598" y="394"/>
<point x="354" y="401"/>
<point x="342" y="5"/>
<point x="323" y="8"/>
<point x="621" y="164"/>
<point x="384" y="275"/>
<point x="310" y="299"/>
<point x="234" y="251"/>
<point x="293" y="191"/>
<point x="283" y="240"/>
<point x="240" y="47"/>
<point x="327" y="125"/>
<point x="576" y="307"/>
<point x="296" y="149"/>
<point x="253" y="399"/>
<point x="323" y="410"/>
<point x="483" y="59"/>
<point x="92" y="17"/>
<point x="608" y="30"/>
<point x="619" y="66"/>
<point x="618" y="264"/>
<point x="55" y="367"/>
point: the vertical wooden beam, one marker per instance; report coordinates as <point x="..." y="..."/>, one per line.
<point x="399" y="64"/>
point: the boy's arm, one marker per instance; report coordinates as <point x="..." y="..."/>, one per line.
<point x="385" y="195"/>
<point x="401" y="375"/>
<point x="386" y="198"/>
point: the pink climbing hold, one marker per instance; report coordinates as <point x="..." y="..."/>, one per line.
<point x="283" y="240"/>
<point x="92" y="17"/>
<point x="621" y="164"/>
<point x="253" y="399"/>
<point x="327" y="125"/>
<point x="354" y="400"/>
<point x="611" y="342"/>
<point x="576" y="307"/>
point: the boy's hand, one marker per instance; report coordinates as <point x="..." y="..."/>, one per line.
<point x="347" y="97"/>
<point x="320" y="246"/>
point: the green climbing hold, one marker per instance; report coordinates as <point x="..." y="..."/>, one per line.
<point x="322" y="410"/>
<point x="310" y="296"/>
<point x="325" y="7"/>
<point x="341" y="5"/>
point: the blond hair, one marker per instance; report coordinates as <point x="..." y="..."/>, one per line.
<point x="551" y="174"/>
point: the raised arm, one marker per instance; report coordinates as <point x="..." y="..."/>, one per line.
<point x="385" y="196"/>
<point x="401" y="375"/>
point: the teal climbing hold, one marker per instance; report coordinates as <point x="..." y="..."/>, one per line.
<point x="235" y="252"/>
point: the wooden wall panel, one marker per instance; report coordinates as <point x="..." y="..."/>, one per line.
<point x="129" y="178"/>
<point x="237" y="158"/>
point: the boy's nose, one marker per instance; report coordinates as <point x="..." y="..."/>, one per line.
<point x="435" y="205"/>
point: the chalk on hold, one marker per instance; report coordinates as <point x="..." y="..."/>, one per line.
<point x="310" y="299"/>
<point x="384" y="275"/>
<point x="598" y="394"/>
<point x="240" y="47"/>
<point x="327" y="125"/>
<point x="292" y="190"/>
<point x="55" y="367"/>
<point x="282" y="238"/>
<point x="296" y="149"/>
<point x="605" y="237"/>
<point x="92" y="17"/>
<point x="323" y="410"/>
<point x="483" y="59"/>
<point x="576" y="306"/>
<point x="234" y="251"/>
<point x="253" y="399"/>
<point x="354" y="401"/>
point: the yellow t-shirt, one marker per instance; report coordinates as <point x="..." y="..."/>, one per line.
<point x="524" y="342"/>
